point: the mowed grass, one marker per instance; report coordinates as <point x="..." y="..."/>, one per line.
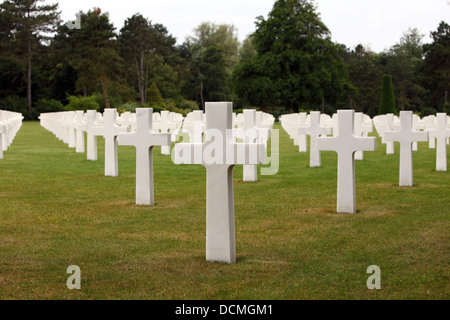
<point x="57" y="209"/>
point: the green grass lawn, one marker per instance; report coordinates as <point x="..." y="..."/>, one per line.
<point x="57" y="209"/>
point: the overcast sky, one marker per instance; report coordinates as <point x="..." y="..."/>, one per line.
<point x="375" y="23"/>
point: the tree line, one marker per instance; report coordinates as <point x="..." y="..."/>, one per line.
<point x="287" y="65"/>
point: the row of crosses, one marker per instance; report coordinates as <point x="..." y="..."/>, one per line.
<point x="226" y="153"/>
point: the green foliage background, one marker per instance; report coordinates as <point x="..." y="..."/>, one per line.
<point x="288" y="64"/>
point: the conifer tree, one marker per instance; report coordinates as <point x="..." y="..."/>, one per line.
<point x="387" y="104"/>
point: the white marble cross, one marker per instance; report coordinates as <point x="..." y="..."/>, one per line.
<point x="417" y="124"/>
<point x="390" y="127"/>
<point x="406" y="136"/>
<point x="3" y="127"/>
<point x="430" y="125"/>
<point x="110" y="131"/>
<point x="144" y="140"/>
<point x="80" y="128"/>
<point x="249" y="134"/>
<point x="346" y="143"/>
<point x="190" y="124"/>
<point x="299" y="139"/>
<point x="314" y="130"/>
<point x="10" y="123"/>
<point x="165" y="126"/>
<point x="91" y="139"/>
<point x="441" y="133"/>
<point x="219" y="154"/>
<point x="71" y="125"/>
<point x="302" y="141"/>
<point x="125" y="119"/>
<point x="361" y="130"/>
<point x="264" y="128"/>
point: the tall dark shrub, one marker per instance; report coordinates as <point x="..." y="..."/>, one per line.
<point x="387" y="104"/>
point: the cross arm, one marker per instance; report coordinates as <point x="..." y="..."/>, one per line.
<point x="127" y="139"/>
<point x="389" y="136"/>
<point x="96" y="131"/>
<point x="365" y="144"/>
<point x="421" y="136"/>
<point x="327" y="144"/>
<point x="161" y="139"/>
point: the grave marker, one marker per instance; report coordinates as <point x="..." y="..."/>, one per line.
<point x="3" y="127"/>
<point x="314" y="130"/>
<point x="91" y="139"/>
<point x="80" y="128"/>
<point x="441" y="133"/>
<point x="361" y="130"/>
<point x="406" y="136"/>
<point x="165" y="126"/>
<point x="110" y="131"/>
<point x="219" y="153"/>
<point x="144" y="140"/>
<point x="346" y="143"/>
<point x="71" y="127"/>
<point x="249" y="134"/>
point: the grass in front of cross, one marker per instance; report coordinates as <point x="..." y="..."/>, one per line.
<point x="57" y="209"/>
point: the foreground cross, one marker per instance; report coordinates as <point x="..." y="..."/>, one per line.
<point x="406" y="136"/>
<point x="144" y="140"/>
<point x="346" y="144"/>
<point x="441" y="133"/>
<point x="314" y="130"/>
<point x="219" y="153"/>
<point x="110" y="131"/>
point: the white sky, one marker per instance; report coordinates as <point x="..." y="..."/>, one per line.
<point x="376" y="23"/>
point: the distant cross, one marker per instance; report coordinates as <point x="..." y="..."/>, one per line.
<point x="418" y="125"/>
<point x="110" y="131"/>
<point x="430" y="125"/>
<point x="390" y="127"/>
<point x="361" y="130"/>
<point x="219" y="154"/>
<point x="264" y="129"/>
<point x="190" y="124"/>
<point x="346" y="143"/>
<point x="406" y="136"/>
<point x="300" y="139"/>
<point x="65" y="127"/>
<point x="441" y="133"/>
<point x="71" y="125"/>
<point x="144" y="140"/>
<point x="125" y="119"/>
<point x="165" y="126"/>
<point x="249" y="133"/>
<point x="91" y="139"/>
<point x="80" y="128"/>
<point x="3" y="131"/>
<point x="314" y="130"/>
